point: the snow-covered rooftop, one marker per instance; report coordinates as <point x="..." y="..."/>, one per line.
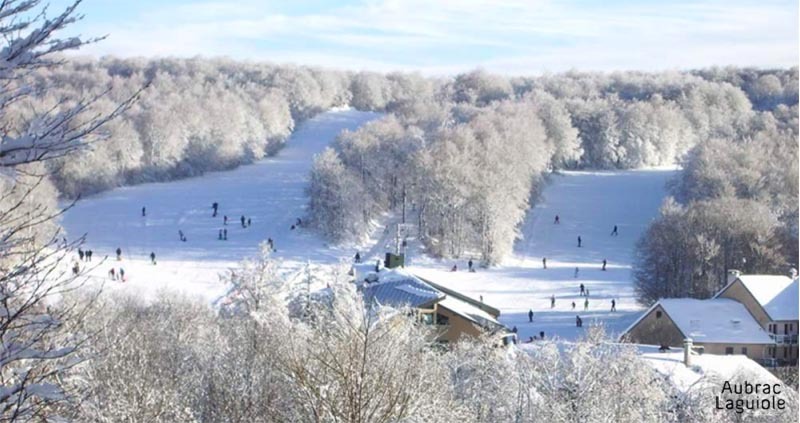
<point x="777" y="294"/>
<point x="717" y="320"/>
<point x="724" y="367"/>
<point x="397" y="289"/>
<point x="470" y="312"/>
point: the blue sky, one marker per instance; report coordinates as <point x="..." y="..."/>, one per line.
<point x="445" y="37"/>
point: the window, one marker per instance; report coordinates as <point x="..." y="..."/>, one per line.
<point x="786" y="327"/>
<point x="442" y="319"/>
<point x="658" y="315"/>
<point x="744" y="350"/>
<point x="771" y="328"/>
<point x="728" y="350"/>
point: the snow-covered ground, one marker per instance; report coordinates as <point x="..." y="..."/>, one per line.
<point x="588" y="204"/>
<point x="272" y="194"/>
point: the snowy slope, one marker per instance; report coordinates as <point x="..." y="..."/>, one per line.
<point x="588" y="204"/>
<point x="271" y="192"/>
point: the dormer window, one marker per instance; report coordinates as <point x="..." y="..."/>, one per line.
<point x="658" y="314"/>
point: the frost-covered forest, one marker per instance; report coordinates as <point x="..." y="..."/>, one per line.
<point x="468" y="154"/>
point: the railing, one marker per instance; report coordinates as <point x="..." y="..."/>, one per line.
<point x="783" y="339"/>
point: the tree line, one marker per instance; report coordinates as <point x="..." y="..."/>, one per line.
<point x="469" y="154"/>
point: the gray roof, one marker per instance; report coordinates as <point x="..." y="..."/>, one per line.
<point x="398" y="290"/>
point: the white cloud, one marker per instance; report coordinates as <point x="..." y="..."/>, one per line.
<point x="450" y="36"/>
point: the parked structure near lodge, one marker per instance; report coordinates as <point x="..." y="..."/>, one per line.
<point x="454" y="315"/>
<point x="753" y="315"/>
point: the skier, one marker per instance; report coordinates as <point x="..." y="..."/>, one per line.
<point x="224" y="234"/>
<point x="88" y="255"/>
<point x="541" y="335"/>
<point x="614" y="231"/>
<point x="604" y="265"/>
<point x="292" y="227"/>
<point x="454" y="268"/>
<point x="578" y="322"/>
<point x="587" y="292"/>
<point x="180" y="235"/>
<point x="220" y="235"/>
<point x="122" y="274"/>
<point x="586" y="305"/>
<point x="377" y="265"/>
<point x="530" y="316"/>
<point x="119" y="254"/>
<point x="557" y="221"/>
<point x="299" y="222"/>
<point x="76" y="268"/>
<point x="514" y="329"/>
<point x="80" y="254"/>
<point x="153" y="258"/>
<point x="469" y="264"/>
<point x="144" y="211"/>
<point x="552" y="301"/>
<point x="272" y="245"/>
<point x="579" y="241"/>
<point x="112" y="274"/>
<point x="576" y="273"/>
<point x="249" y="221"/>
<point x="214" y="206"/>
<point x="224" y="220"/>
<point x="481" y="297"/>
<point x="573" y="305"/>
<point x="358" y="257"/>
<point x="243" y="221"/>
<point x="583" y="290"/>
<point x="544" y="262"/>
<point x="613" y="305"/>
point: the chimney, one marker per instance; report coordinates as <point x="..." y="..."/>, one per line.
<point x="793" y="273"/>
<point x="733" y="274"/>
<point x="687" y="352"/>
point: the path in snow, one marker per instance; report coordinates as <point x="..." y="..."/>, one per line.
<point x="589" y="204"/>
<point x="271" y="192"/>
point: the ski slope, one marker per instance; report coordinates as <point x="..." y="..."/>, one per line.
<point x="270" y="192"/>
<point x="588" y="204"/>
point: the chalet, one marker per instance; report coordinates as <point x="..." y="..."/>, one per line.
<point x="454" y="314"/>
<point x="773" y="301"/>
<point x="718" y="326"/>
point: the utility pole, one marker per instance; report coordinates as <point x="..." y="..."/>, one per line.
<point x="404" y="203"/>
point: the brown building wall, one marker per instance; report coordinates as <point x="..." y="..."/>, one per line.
<point x="754" y="351"/>
<point x="737" y="291"/>
<point x="456" y="327"/>
<point x="654" y="330"/>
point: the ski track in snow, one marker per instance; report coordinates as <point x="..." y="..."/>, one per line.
<point x="588" y="204"/>
<point x="272" y="193"/>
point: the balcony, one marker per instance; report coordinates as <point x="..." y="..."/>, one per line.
<point x="784" y="339"/>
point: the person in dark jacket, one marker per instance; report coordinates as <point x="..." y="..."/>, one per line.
<point x="119" y="254"/>
<point x="605" y="262"/>
<point x="215" y="206"/>
<point x="530" y="316"/>
<point x="153" y="257"/>
<point x="579" y="241"/>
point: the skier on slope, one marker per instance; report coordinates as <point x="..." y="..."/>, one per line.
<point x="544" y="262"/>
<point x="153" y="257"/>
<point x="530" y="316"/>
<point x="556" y="221"/>
<point x="583" y="290"/>
<point x="88" y="255"/>
<point x="586" y="305"/>
<point x="219" y="237"/>
<point x="613" y="305"/>
<point x="122" y="274"/>
<point x="119" y="254"/>
<point x="579" y="241"/>
<point x="578" y="322"/>
<point x="215" y="206"/>
<point x="604" y="264"/>
<point x="112" y="274"/>
<point x="249" y="222"/>
<point x="224" y="234"/>
<point x="225" y="220"/>
<point x="243" y="221"/>
<point x="358" y="257"/>
<point x="552" y="301"/>
<point x="573" y="305"/>
<point x="80" y="254"/>
<point x="469" y="264"/>
<point x="144" y="211"/>
<point x="614" y="231"/>
<point x="576" y="273"/>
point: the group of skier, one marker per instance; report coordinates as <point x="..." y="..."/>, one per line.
<point x="85" y="255"/>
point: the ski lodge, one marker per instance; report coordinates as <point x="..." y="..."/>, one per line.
<point x="454" y="315"/>
<point x="753" y="315"/>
